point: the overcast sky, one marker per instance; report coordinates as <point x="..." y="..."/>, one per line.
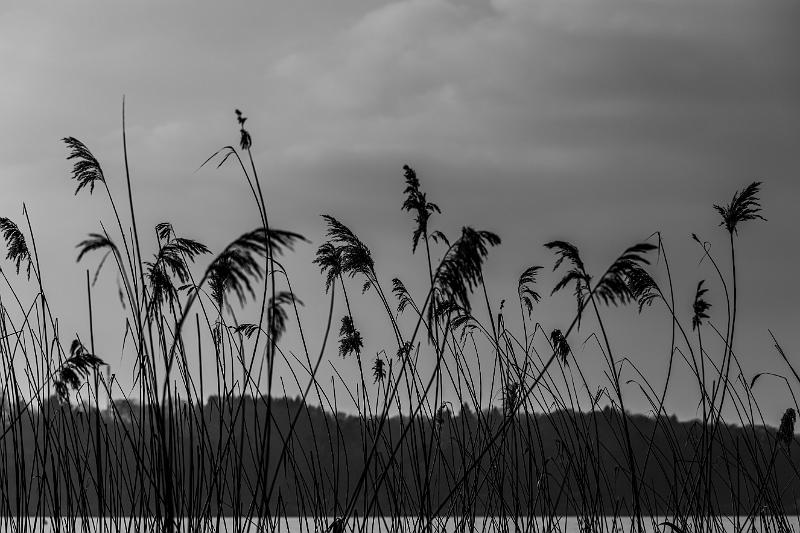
<point x="594" y="121"/>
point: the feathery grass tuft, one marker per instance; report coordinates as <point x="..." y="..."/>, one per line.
<point x="642" y="287"/>
<point x="510" y="398"/>
<point x="86" y="170"/>
<point x="527" y="295"/>
<point x="576" y="273"/>
<point x="95" y="242"/>
<point x="461" y="270"/>
<point x="329" y="259"/>
<point x="245" y="141"/>
<point x="625" y="276"/>
<point x="240" y="263"/>
<point x="75" y="369"/>
<point x="402" y="295"/>
<point x="744" y="206"/>
<point x="560" y="345"/>
<point x="172" y="259"/>
<point x="353" y="255"/>
<point x="247" y="329"/>
<point x="379" y="370"/>
<point x="350" y="340"/>
<point x="786" y="430"/>
<point x="700" y="306"/>
<point x="277" y="315"/>
<point x="16" y="245"/>
<point x="416" y="201"/>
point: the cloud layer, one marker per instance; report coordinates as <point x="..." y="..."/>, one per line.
<point x="599" y="122"/>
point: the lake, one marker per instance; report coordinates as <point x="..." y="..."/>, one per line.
<point x="391" y="524"/>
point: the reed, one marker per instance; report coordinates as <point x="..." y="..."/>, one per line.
<point x="457" y="419"/>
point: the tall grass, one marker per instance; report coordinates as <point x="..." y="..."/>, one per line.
<point x="178" y="455"/>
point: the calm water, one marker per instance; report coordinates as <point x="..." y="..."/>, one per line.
<point x="392" y="524"/>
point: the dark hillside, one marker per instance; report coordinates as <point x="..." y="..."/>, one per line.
<point x="576" y="460"/>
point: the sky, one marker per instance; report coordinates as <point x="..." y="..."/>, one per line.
<point x="597" y="122"/>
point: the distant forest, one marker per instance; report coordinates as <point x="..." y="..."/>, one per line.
<point x="436" y="466"/>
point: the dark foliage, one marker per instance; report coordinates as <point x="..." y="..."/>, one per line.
<point x="544" y="457"/>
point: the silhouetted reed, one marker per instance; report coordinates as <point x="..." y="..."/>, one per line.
<point x="461" y="418"/>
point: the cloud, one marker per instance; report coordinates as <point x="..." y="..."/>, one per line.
<point x="546" y="84"/>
